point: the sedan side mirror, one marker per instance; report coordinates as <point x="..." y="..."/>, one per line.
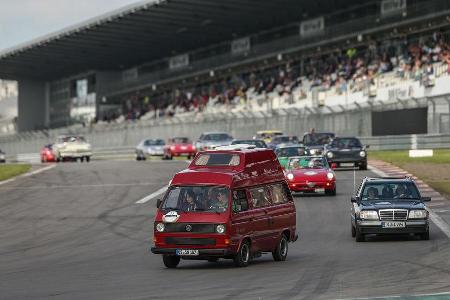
<point x="158" y="203"/>
<point x="425" y="199"/>
<point x="367" y="146"/>
<point x="355" y="199"/>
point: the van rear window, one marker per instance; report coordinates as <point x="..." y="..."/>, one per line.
<point x="218" y="159"/>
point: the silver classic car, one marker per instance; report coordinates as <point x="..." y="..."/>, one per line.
<point x="149" y="147"/>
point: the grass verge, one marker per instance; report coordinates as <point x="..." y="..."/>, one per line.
<point x="435" y="170"/>
<point x="11" y="170"/>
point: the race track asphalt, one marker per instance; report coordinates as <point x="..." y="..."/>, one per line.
<point x="76" y="232"/>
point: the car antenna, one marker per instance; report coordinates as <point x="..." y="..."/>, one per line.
<point x="354" y="180"/>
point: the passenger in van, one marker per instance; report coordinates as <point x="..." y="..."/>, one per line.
<point x="221" y="201"/>
<point x="189" y="203"/>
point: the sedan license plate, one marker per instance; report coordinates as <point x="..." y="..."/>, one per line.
<point x="186" y="252"/>
<point x="319" y="190"/>
<point x="393" y="224"/>
<point x="347" y="164"/>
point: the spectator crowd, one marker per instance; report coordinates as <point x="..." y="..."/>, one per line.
<point x="340" y="70"/>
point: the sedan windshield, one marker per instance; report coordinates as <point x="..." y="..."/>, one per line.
<point x="197" y="198"/>
<point x="154" y="143"/>
<point x="389" y="191"/>
<point x="181" y="140"/>
<point x="290" y="151"/>
<point x="345" y="143"/>
<point x="317" y="138"/>
<point x="307" y="162"/>
<point x="217" y="137"/>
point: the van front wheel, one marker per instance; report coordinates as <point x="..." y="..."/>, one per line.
<point x="171" y="261"/>
<point x="243" y="256"/>
<point x="281" y="251"/>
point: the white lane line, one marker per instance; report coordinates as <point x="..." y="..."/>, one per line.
<point x="437" y="220"/>
<point x="152" y="195"/>
<point x="74" y="186"/>
<point x="38" y="171"/>
<point x="28" y="174"/>
<point x="7" y="181"/>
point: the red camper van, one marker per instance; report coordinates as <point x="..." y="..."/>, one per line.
<point x="232" y="204"/>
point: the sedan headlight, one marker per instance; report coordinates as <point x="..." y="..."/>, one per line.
<point x="220" y="228"/>
<point x="362" y="153"/>
<point x="330" y="176"/>
<point x="368" y="215"/>
<point x="160" y="227"/>
<point x="290" y="176"/>
<point x="418" y="214"/>
<point x="330" y="155"/>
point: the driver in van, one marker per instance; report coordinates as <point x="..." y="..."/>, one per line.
<point x="189" y="203"/>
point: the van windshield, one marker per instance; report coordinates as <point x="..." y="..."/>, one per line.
<point x="197" y="198"/>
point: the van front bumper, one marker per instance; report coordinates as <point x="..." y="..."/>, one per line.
<point x="202" y="252"/>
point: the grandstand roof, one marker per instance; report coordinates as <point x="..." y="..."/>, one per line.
<point x="152" y="30"/>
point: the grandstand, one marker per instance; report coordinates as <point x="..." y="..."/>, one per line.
<point x="191" y="58"/>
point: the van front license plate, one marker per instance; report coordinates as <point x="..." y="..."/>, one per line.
<point x="393" y="224"/>
<point x="319" y="190"/>
<point x="186" y="252"/>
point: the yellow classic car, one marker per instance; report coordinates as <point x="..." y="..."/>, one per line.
<point x="267" y="135"/>
<point x="72" y="147"/>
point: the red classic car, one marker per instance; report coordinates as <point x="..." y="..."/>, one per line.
<point x="179" y="146"/>
<point x="47" y="154"/>
<point x="310" y="174"/>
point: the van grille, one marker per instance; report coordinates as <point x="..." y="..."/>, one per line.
<point x="393" y="214"/>
<point x="190" y="227"/>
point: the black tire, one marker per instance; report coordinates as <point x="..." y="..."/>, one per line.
<point x="331" y="192"/>
<point x="242" y="258"/>
<point x="282" y="249"/>
<point x="213" y="259"/>
<point x="353" y="231"/>
<point x="88" y="158"/>
<point x="363" y="167"/>
<point x="360" y="237"/>
<point x="81" y="159"/>
<point x="425" y="236"/>
<point x="171" y="261"/>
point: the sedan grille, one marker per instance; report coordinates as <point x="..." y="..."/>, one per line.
<point x="393" y="214"/>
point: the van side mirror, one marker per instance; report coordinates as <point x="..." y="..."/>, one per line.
<point x="425" y="199"/>
<point x="333" y="165"/>
<point x="355" y="199"/>
<point x="158" y="203"/>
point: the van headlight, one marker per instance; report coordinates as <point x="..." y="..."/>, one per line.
<point x="160" y="227"/>
<point x="330" y="154"/>
<point x="368" y="215"/>
<point x="330" y="176"/>
<point x="418" y="214"/>
<point x="362" y="153"/>
<point x="290" y="176"/>
<point x="220" y="228"/>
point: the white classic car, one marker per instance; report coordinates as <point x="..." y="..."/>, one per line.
<point x="72" y="147"/>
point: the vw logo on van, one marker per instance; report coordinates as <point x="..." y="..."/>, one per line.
<point x="171" y="217"/>
<point x="188" y="227"/>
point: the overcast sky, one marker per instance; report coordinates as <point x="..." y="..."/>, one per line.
<point x="24" y="20"/>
